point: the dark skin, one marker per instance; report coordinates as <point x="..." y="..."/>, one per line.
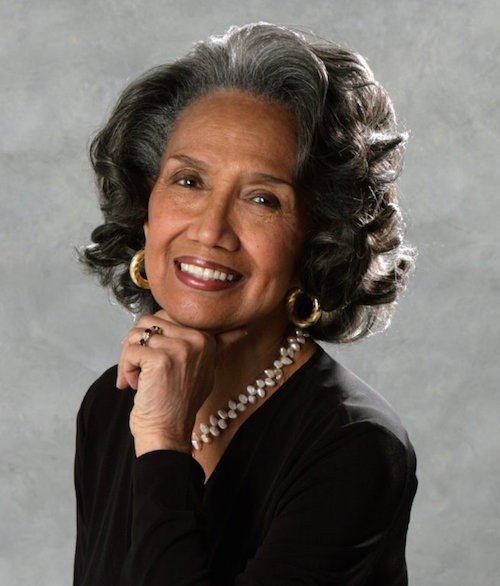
<point x="224" y="199"/>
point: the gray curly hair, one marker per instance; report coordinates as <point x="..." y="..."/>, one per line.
<point x="350" y="154"/>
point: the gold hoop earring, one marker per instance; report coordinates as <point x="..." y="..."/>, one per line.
<point x="298" y="302"/>
<point x="135" y="270"/>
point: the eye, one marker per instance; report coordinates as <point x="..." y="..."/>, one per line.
<point x="266" y="199"/>
<point x="189" y="181"/>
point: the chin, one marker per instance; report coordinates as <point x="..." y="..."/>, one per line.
<point x="207" y="318"/>
<point x="198" y="320"/>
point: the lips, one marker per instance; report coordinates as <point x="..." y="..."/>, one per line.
<point x="203" y="274"/>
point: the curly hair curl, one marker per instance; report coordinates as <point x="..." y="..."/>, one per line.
<point x="350" y="155"/>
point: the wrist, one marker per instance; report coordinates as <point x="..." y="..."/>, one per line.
<point x="150" y="443"/>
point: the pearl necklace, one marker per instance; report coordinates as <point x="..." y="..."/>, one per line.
<point x="219" y="422"/>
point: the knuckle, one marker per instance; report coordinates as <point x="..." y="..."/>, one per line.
<point x="160" y="357"/>
<point x="143" y="322"/>
<point x="201" y="339"/>
<point x="132" y="335"/>
<point x="166" y="360"/>
<point x="183" y="349"/>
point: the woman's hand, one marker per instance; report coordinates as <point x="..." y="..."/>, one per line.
<point x="173" y="375"/>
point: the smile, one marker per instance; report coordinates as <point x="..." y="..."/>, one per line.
<point x="206" y="274"/>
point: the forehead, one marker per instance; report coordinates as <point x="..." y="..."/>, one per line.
<point x="237" y="122"/>
<point x="232" y="100"/>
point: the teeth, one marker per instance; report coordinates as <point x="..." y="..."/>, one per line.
<point x="205" y="273"/>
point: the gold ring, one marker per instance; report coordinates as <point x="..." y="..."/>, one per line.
<point x="148" y="332"/>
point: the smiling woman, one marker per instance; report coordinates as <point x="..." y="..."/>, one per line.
<point x="251" y="188"/>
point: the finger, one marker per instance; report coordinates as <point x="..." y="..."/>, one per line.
<point x="168" y="329"/>
<point x="134" y="354"/>
<point x="132" y="360"/>
<point x="148" y="321"/>
<point x="161" y="317"/>
<point x="175" y="330"/>
<point x="136" y="333"/>
<point x="127" y="376"/>
<point x="126" y="379"/>
<point x="130" y="371"/>
<point x="140" y="339"/>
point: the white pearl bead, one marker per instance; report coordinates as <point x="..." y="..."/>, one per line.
<point x="217" y="424"/>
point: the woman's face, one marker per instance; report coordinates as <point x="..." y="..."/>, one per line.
<point x="224" y="229"/>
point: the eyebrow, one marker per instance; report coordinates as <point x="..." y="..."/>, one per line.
<point x="189" y="161"/>
<point x="266" y="177"/>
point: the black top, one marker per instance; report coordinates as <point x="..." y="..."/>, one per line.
<point x="315" y="488"/>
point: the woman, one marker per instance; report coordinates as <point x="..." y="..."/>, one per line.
<point x="250" y="210"/>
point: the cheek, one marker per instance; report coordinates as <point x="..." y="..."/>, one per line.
<point x="155" y="207"/>
<point x="289" y="243"/>
<point x="164" y="222"/>
<point x="277" y="256"/>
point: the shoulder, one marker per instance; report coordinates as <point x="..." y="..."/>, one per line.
<point x="337" y="414"/>
<point x="334" y="395"/>
<point x="346" y="437"/>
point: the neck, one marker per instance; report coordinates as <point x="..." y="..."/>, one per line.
<point x="244" y="361"/>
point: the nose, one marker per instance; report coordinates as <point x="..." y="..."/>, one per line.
<point x="213" y="225"/>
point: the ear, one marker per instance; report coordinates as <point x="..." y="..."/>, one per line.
<point x="145" y="227"/>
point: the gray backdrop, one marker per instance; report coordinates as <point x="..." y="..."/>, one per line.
<point x="62" y="65"/>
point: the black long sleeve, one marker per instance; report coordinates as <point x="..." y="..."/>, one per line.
<point x="315" y="488"/>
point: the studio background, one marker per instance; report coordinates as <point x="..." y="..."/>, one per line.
<point x="63" y="63"/>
